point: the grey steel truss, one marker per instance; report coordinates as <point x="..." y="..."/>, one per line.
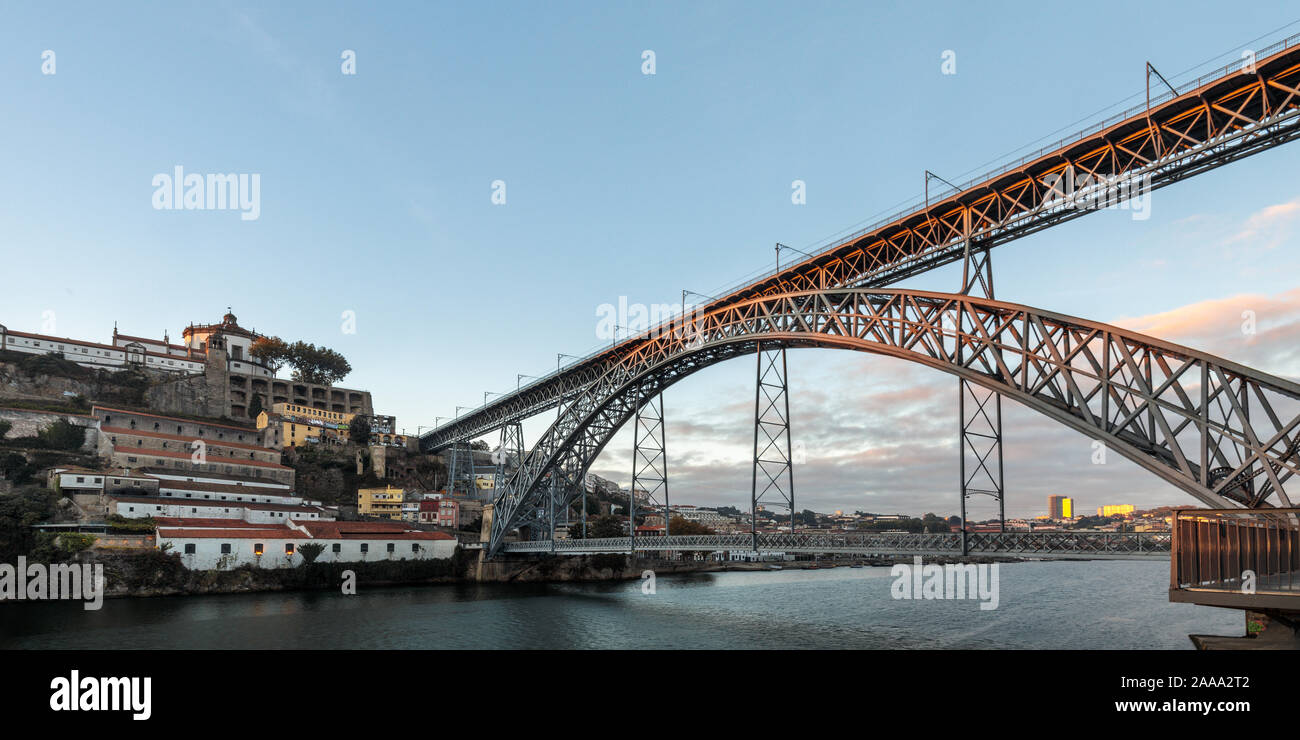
<point x="773" y="473"/>
<point x="507" y="455"/>
<point x="1054" y="545"/>
<point x="1222" y="117"/>
<point x="1175" y="411"/>
<point x="649" y="461"/>
<point x="979" y="410"/>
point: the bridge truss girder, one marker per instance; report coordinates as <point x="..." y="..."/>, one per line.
<point x="1221" y="118"/>
<point x="1175" y="411"/>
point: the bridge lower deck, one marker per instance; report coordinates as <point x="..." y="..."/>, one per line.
<point x="1051" y="545"/>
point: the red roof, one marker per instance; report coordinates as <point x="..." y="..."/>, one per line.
<point x="187" y="438"/>
<point x="97" y="407"/>
<point x="368" y="530"/>
<point x="193" y="529"/>
<point x="204" y="523"/>
<point x="280" y="533"/>
<point x="186" y="456"/>
<point x="172" y="500"/>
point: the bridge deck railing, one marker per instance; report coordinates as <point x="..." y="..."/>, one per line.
<point x="1065" y="544"/>
<point x="1246" y="557"/>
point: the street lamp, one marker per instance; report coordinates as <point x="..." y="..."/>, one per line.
<point x="780" y="246"/>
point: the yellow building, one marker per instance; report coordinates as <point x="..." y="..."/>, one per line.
<point x="385" y="502"/>
<point x="1115" y="510"/>
<point x="295" y="425"/>
<point x="1060" y="507"/>
<point x="307" y="412"/>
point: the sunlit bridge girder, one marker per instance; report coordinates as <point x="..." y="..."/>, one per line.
<point x="1224" y="116"/>
<point x="1180" y="413"/>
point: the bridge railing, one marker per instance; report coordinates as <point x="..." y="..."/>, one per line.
<point x="1215" y="548"/>
<point x="1075" y="543"/>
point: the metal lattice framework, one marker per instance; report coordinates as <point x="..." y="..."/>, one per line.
<point x="650" y="461"/>
<point x="773" y="472"/>
<point x="1175" y="411"/>
<point x="1091" y="545"/>
<point x="1219" y="118"/>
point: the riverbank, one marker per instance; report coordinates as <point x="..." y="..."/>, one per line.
<point x="145" y="574"/>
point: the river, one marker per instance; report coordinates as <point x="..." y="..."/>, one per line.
<point x="1046" y="604"/>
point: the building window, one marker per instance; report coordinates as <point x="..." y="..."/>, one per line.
<point x="288" y="549"/>
<point x="365" y="547"/>
<point x="415" y="547"/>
<point x="189" y="549"/>
<point x="392" y="547"/>
<point x="257" y="548"/>
<point x="337" y="547"/>
<point x="225" y="548"/>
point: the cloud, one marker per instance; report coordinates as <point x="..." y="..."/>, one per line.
<point x="1268" y="227"/>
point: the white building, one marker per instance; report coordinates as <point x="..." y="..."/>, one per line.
<point x="134" y="507"/>
<point x="211" y="546"/>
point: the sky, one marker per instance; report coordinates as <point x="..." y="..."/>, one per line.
<point x="377" y="233"/>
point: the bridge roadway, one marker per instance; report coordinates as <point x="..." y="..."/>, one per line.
<point x="1222" y="116"/>
<point x="1067" y="545"/>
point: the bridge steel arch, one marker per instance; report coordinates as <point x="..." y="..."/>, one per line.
<point x="1222" y="432"/>
<point x="1225" y="115"/>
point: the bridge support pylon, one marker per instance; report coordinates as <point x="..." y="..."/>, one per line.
<point x="773" y="473"/>
<point x="649" y="462"/>
<point x="509" y="454"/>
<point x="979" y="410"/>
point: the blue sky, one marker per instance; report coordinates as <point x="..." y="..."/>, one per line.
<point x="376" y="194"/>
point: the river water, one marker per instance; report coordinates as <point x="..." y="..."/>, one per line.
<point x="1047" y="604"/>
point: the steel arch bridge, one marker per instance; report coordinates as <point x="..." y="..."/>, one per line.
<point x="1222" y="432"/>
<point x="1225" y="115"/>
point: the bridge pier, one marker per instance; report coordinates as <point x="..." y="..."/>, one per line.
<point x="649" y="461"/>
<point x="979" y="410"/>
<point x="773" y="472"/>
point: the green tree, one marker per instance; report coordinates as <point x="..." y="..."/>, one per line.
<point x="311" y="364"/>
<point x="27" y="505"/>
<point x="682" y="525"/>
<point x="607" y="525"/>
<point x="934" y="524"/>
<point x="310" y="551"/>
<point x="4" y="428"/>
<point x="63" y="435"/>
<point x="359" y="430"/>
<point x="270" y="351"/>
<point x="255" y="406"/>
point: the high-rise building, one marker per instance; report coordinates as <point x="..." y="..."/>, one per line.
<point x="1060" y="507"/>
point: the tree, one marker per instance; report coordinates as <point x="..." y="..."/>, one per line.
<point x="359" y="430"/>
<point x="63" y="435"/>
<point x="934" y="524"/>
<point x="319" y="365"/>
<point x="310" y="551"/>
<point x="270" y="351"/>
<point x="607" y="525"/>
<point x="4" y="428"/>
<point x="682" y="525"/>
<point x="255" y="406"/>
<point x="311" y="364"/>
